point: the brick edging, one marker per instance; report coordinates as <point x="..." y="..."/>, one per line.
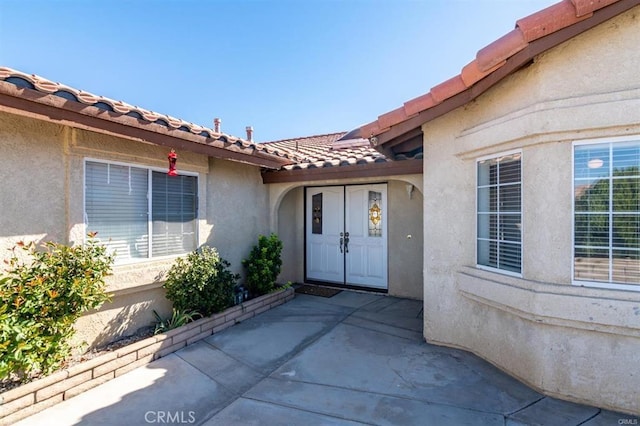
<point x="28" y="399"/>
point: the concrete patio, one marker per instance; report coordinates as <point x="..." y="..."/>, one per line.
<point x="354" y="358"/>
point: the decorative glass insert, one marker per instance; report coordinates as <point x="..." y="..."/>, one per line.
<point x="316" y="214"/>
<point x="607" y="213"/>
<point x="375" y="214"/>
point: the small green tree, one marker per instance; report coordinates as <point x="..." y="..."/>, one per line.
<point x="42" y="297"/>
<point x="202" y="282"/>
<point x="263" y="265"/>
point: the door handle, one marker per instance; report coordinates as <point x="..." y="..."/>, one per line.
<point x="346" y="242"/>
<point x="341" y="241"/>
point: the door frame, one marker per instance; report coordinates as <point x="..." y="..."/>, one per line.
<point x="343" y="285"/>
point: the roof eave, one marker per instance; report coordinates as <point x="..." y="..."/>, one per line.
<point x="52" y="108"/>
<point x="370" y="170"/>
<point x="382" y="132"/>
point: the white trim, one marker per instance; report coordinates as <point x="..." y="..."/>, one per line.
<point x="610" y="141"/>
<point x="615" y="139"/>
<point x="150" y="170"/>
<point x="497" y="156"/>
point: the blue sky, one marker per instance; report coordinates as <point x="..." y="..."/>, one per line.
<point x="288" y="68"/>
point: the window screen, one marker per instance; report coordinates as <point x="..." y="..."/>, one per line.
<point x="499" y="215"/>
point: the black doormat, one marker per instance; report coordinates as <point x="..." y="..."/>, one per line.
<point x="317" y="291"/>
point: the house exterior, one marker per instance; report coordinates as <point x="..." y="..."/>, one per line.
<point x="506" y="198"/>
<point x="76" y="162"/>
<point x="79" y="163"/>
<point x="323" y="209"/>
<point x="531" y="177"/>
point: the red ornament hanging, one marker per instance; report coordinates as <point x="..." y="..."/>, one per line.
<point x="173" y="158"/>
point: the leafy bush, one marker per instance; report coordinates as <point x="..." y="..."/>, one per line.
<point x="41" y="299"/>
<point x="202" y="282"/>
<point x="263" y="265"/>
<point x="177" y="319"/>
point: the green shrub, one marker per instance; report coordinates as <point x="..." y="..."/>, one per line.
<point x="202" y="282"/>
<point x="177" y="319"/>
<point x="42" y="297"/>
<point x="263" y="265"/>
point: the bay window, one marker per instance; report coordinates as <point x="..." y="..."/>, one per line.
<point x="499" y="213"/>
<point x="606" y="227"/>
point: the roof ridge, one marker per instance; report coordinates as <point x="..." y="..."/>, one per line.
<point x="306" y="137"/>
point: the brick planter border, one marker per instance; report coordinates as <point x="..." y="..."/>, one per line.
<point x="35" y="396"/>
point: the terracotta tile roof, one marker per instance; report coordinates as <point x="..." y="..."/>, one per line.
<point x="159" y="122"/>
<point x="331" y="150"/>
<point x="494" y="56"/>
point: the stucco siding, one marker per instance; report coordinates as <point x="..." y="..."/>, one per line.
<point x="33" y="187"/>
<point x="237" y="210"/>
<point x="405" y="240"/>
<point x="43" y="200"/>
<point x="291" y="232"/>
<point x="568" y="341"/>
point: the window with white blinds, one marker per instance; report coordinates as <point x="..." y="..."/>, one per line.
<point x="499" y="213"/>
<point x="125" y="204"/>
<point x="606" y="229"/>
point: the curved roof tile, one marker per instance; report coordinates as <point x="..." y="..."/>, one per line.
<point x="49" y="87"/>
<point x="501" y="49"/>
<point x="491" y="58"/>
<point x="447" y="89"/>
<point x="584" y="7"/>
<point x="549" y="20"/>
<point x="329" y="150"/>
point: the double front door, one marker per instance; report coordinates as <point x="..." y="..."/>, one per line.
<point x="346" y="235"/>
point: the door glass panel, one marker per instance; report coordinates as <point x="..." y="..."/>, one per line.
<point x="375" y="214"/>
<point x="316" y="212"/>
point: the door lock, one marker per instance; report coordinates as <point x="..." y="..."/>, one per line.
<point x="346" y="242"/>
<point x="341" y="241"/>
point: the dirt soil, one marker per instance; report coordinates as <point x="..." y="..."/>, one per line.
<point x="143" y="333"/>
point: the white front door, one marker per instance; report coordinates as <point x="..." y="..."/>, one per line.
<point x="346" y="231"/>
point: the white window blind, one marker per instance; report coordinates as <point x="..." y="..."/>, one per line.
<point x="118" y="208"/>
<point x="499" y="214"/>
<point x="607" y="213"/>
<point x="174" y="214"/>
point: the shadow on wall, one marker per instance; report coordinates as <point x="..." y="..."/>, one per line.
<point x="126" y="315"/>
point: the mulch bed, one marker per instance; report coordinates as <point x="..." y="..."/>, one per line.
<point x="10" y="383"/>
<point x="314" y="290"/>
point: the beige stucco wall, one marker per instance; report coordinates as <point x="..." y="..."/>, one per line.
<point x="405" y="240"/>
<point x="31" y="194"/>
<point x="290" y="221"/>
<point x="43" y="200"/>
<point x="237" y="209"/>
<point x="405" y="219"/>
<point x="573" y="342"/>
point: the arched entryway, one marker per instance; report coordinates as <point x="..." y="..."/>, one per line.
<point x="404" y="259"/>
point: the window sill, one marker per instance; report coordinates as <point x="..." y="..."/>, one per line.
<point x="609" y="286"/>
<point x="553" y="304"/>
<point x="139" y="275"/>
<point x="500" y="271"/>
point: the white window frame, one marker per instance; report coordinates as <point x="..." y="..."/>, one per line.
<point x="150" y="170"/>
<point x="596" y="284"/>
<point x="489" y="268"/>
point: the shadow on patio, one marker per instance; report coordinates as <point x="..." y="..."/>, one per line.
<point x="349" y="359"/>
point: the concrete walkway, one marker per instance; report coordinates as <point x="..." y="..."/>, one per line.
<point x="354" y="358"/>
